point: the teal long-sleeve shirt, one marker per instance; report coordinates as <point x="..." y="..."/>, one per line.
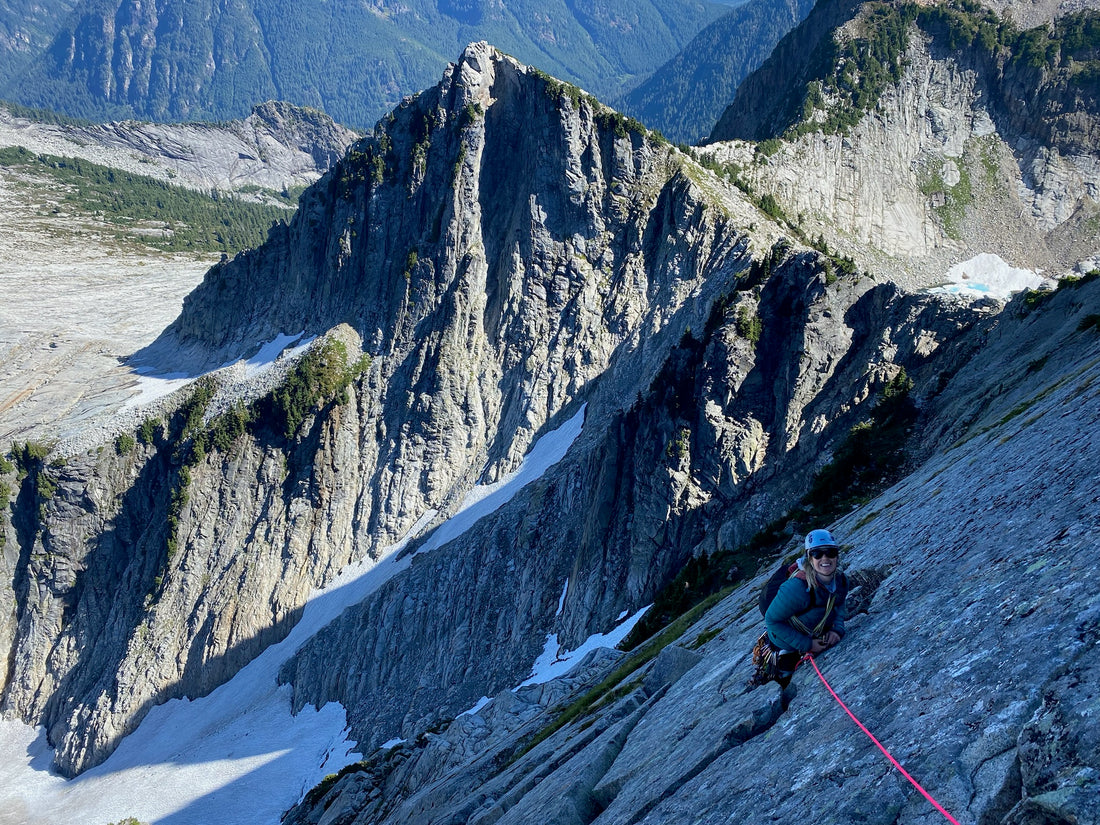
<point x="793" y="599"/>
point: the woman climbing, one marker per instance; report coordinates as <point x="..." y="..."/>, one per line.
<point x="807" y="614"/>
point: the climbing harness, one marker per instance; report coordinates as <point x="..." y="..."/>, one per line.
<point x="765" y="655"/>
<point x="928" y="796"/>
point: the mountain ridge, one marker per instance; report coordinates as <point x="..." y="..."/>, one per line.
<point x="664" y="219"/>
<point x="278" y="146"/>
<point x="196" y="60"/>
<point x="684" y="98"/>
<point x="504" y="250"/>
<point x="937" y="167"/>
<point x="690" y="710"/>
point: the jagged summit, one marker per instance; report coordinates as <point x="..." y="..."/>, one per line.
<point x="490" y="302"/>
<point x="423" y="178"/>
<point x="517" y="192"/>
<point x="504" y="258"/>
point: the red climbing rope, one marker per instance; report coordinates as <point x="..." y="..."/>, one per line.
<point x="905" y="773"/>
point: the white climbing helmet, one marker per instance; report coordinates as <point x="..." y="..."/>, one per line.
<point x="819" y="538"/>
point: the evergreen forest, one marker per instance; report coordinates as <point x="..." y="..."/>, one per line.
<point x="186" y="60"/>
<point x="151" y="212"/>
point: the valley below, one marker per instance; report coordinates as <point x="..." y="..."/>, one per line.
<point x="447" y="497"/>
<point x="76" y="305"/>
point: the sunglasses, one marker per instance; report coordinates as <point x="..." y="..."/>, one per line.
<point x="828" y="552"/>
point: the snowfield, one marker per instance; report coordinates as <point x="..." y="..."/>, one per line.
<point x="988" y="276"/>
<point x="238" y="756"/>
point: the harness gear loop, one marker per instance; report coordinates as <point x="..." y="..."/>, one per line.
<point x="895" y="762"/>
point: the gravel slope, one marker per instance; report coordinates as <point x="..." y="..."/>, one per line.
<point x="74" y="305"/>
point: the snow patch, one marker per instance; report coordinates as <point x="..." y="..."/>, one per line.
<point x="554" y="662"/>
<point x="482" y="702"/>
<point x="988" y="276"/>
<point x="152" y="385"/>
<point x="238" y="756"/>
<point x="487" y="498"/>
<point x="155" y="387"/>
<point x="289" y="346"/>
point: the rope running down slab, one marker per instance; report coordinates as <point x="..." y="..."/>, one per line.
<point x="905" y="773"/>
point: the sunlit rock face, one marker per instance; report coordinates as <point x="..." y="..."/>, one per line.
<point x="968" y="152"/>
<point x="487" y="303"/>
<point x="504" y="252"/>
<point x="971" y="653"/>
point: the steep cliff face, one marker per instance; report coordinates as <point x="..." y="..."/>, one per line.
<point x="724" y="439"/>
<point x="135" y="580"/>
<point x="488" y="296"/>
<point x="504" y="251"/>
<point x="490" y="300"/>
<point x="980" y="144"/>
<point x="971" y="651"/>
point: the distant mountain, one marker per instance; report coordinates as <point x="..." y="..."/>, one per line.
<point x="1043" y="79"/>
<point x="685" y="97"/>
<point x="27" y="26"/>
<point x="501" y="258"/>
<point x="199" y="60"/>
<point x="277" y="147"/>
<point x="925" y="132"/>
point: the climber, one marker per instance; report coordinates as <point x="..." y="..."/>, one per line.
<point x="807" y="613"/>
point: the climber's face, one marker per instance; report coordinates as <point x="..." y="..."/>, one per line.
<point x="824" y="560"/>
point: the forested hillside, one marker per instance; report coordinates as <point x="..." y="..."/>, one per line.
<point x="197" y="59"/>
<point x="685" y="97"/>
<point x="27" y="26"/>
<point x="1051" y="71"/>
<point x="136" y="209"/>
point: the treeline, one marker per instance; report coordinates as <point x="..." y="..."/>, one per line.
<point x="151" y="211"/>
<point x="849" y="78"/>
<point x="42" y="115"/>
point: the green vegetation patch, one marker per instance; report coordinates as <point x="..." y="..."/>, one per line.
<point x="321" y="375"/>
<point x="846" y="79"/>
<point x="867" y="461"/>
<point x="615" y="685"/>
<point x="124" y="443"/>
<point x="1071" y="43"/>
<point x="30" y="461"/>
<point x="145" y="210"/>
<point x="954" y="200"/>
<point x="1035" y="298"/>
<point x="853" y="75"/>
<point x="749" y="325"/>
